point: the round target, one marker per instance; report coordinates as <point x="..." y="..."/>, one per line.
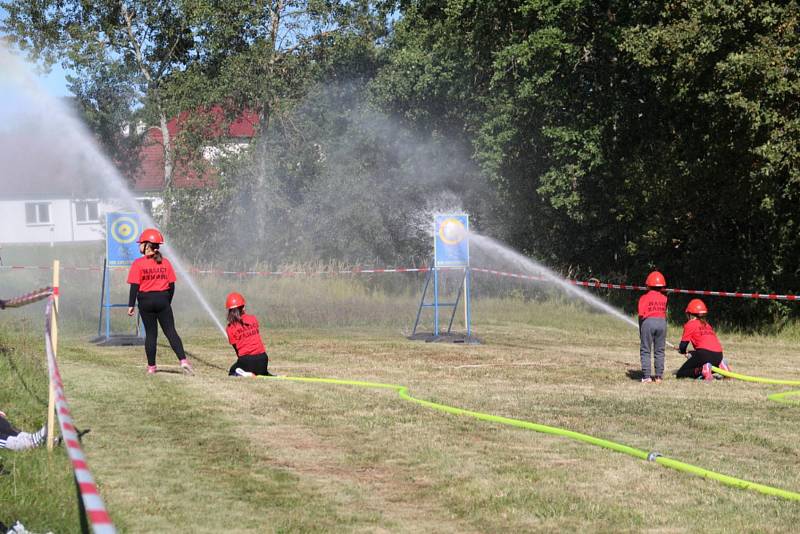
<point x="452" y="231"/>
<point x="124" y="230"/>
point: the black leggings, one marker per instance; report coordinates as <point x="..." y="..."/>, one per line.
<point x="256" y="364"/>
<point x="697" y="358"/>
<point x="155" y="309"/>
<point x="6" y="430"/>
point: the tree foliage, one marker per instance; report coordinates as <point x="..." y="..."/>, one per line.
<point x="622" y="136"/>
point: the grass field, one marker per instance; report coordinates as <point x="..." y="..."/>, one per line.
<point x="214" y="454"/>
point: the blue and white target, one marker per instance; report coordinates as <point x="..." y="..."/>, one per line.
<point x="451" y="243"/>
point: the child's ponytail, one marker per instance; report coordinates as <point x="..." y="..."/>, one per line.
<point x="235" y="315"/>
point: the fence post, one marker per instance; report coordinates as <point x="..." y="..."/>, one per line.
<point x="51" y="402"/>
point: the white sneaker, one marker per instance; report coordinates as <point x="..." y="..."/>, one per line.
<point x="186" y="367"/>
<point x="242" y="372"/>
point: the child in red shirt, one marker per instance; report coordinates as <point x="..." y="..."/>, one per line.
<point x="707" y="348"/>
<point x="152" y="281"/>
<point x="653" y="326"/>
<point x="245" y="337"/>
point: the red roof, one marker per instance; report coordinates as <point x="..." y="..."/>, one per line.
<point x="189" y="172"/>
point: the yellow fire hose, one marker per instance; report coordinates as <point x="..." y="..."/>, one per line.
<point x="777" y="397"/>
<point x="653" y="456"/>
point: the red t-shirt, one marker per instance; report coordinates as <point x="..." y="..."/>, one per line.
<point x="150" y="275"/>
<point x="245" y="337"/>
<point x="701" y="335"/>
<point x="653" y="304"/>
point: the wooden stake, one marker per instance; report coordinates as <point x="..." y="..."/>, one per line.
<point x="51" y="402"/>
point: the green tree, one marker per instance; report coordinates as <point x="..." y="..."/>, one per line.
<point x="620" y="136"/>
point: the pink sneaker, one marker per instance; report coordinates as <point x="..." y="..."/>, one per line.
<point x="151" y="369"/>
<point x="186" y="367"/>
<point x="706" y="372"/>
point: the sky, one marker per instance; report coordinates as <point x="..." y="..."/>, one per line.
<point x="54" y="82"/>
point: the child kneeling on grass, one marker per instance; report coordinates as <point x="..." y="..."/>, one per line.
<point x="243" y="334"/>
<point x="707" y="348"/>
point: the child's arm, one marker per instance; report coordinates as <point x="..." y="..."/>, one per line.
<point x="132" y="294"/>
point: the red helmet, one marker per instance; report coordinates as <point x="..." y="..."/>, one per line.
<point x="655" y="279"/>
<point x="234" y="300"/>
<point x="696" y="307"/>
<point x="151" y="235"/>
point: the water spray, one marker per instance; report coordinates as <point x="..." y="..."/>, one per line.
<point x="530" y="266"/>
<point x="92" y="158"/>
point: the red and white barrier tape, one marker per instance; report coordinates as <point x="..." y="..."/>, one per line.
<point x="96" y="512"/>
<point x="597" y="284"/>
<point x="46" y="268"/>
<point x="590" y="283"/>
<point x="28" y="298"/>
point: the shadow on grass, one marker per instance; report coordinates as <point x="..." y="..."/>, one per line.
<point x="634" y="374"/>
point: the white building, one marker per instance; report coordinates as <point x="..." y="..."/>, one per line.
<point x="52" y="191"/>
<point x="39" y="218"/>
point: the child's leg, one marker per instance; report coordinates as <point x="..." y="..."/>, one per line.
<point x="26" y="440"/>
<point x="150" y="333"/>
<point x="660" y="342"/>
<point x="232" y="370"/>
<point x="714" y="358"/>
<point x="167" y="321"/>
<point x="645" y="346"/>
<point x="691" y="367"/>
<point x="256" y="364"/>
<point x="7" y="429"/>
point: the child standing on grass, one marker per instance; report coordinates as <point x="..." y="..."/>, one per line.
<point x="245" y="337"/>
<point x="152" y="281"/>
<point x="707" y="348"/>
<point x="653" y="326"/>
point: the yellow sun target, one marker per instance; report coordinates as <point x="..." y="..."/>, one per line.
<point x="124" y="230"/>
<point x="451" y="246"/>
<point x="452" y="231"/>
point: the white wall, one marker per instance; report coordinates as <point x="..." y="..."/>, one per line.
<point x="63" y="225"/>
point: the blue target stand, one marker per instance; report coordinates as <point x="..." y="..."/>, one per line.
<point x="122" y="229"/>
<point x="450" y="263"/>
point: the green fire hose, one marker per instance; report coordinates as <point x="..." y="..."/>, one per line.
<point x="653" y="456"/>
<point x="777" y="397"/>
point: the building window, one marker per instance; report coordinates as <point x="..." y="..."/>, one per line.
<point x="147" y="206"/>
<point x="37" y="212"/>
<point x="86" y="211"/>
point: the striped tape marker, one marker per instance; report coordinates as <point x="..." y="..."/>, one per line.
<point x="541" y="278"/>
<point x="96" y="512"/>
